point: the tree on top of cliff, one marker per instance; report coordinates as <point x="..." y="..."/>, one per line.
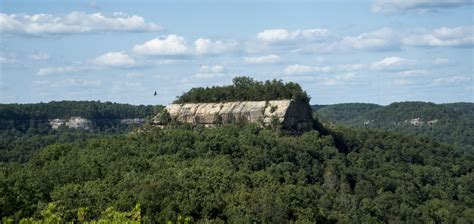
<point x="245" y="89"/>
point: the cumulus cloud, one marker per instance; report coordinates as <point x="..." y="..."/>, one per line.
<point x="267" y="59"/>
<point x="273" y="36"/>
<point x="207" y="46"/>
<point x="297" y="69"/>
<point x="58" y="70"/>
<point x="114" y="59"/>
<point x="420" y="6"/>
<point x="381" y="39"/>
<point x="74" y="22"/>
<point x="389" y="63"/>
<point x="461" y="36"/>
<point x="164" y="45"/>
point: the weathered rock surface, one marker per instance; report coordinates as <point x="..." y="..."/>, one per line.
<point x="73" y="122"/>
<point x="293" y="116"/>
<point x="87" y="124"/>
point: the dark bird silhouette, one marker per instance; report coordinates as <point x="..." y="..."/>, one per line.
<point x="155" y="94"/>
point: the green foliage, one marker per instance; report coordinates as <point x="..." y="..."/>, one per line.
<point x="454" y="123"/>
<point x="67" y="109"/>
<point x="242" y="173"/>
<point x="25" y="128"/>
<point x="245" y="89"/>
<point x="52" y="215"/>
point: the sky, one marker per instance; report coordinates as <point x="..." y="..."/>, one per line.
<point x="339" y="51"/>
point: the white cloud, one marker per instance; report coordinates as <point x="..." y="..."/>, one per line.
<point x="420" y="6"/>
<point x="58" y="70"/>
<point x="412" y="73"/>
<point x="211" y="69"/>
<point x="390" y="63"/>
<point x="267" y="59"/>
<point x="82" y="82"/>
<point x="452" y="80"/>
<point x="208" y="72"/>
<point x="207" y="46"/>
<point x="165" y="45"/>
<point x="297" y="69"/>
<point x="114" y="59"/>
<point x="331" y="81"/>
<point x="170" y="61"/>
<point x="283" y="35"/>
<point x="39" y="56"/>
<point x="74" y="22"/>
<point x="381" y="39"/>
<point x="442" y="37"/>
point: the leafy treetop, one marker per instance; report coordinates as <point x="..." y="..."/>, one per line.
<point x="245" y="89"/>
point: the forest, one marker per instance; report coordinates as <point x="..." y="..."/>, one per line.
<point x="453" y="122"/>
<point x="245" y="89"/>
<point x="24" y="128"/>
<point x="233" y="173"/>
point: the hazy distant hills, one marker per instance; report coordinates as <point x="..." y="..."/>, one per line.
<point x="451" y="123"/>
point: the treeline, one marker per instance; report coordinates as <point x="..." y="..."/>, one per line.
<point x="67" y="109"/>
<point x="245" y="89"/>
<point x="25" y="128"/>
<point x="243" y="173"/>
<point x="452" y="123"/>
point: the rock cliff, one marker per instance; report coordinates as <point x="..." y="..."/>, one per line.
<point x="73" y="122"/>
<point x="293" y="116"/>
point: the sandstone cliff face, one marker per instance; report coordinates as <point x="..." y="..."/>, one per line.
<point x="73" y="122"/>
<point x="87" y="124"/>
<point x="293" y="116"/>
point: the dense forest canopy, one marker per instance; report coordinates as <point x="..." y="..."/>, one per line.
<point x="240" y="172"/>
<point x="67" y="109"/>
<point x="453" y="122"/>
<point x="25" y="129"/>
<point x="245" y="89"/>
<point x="243" y="173"/>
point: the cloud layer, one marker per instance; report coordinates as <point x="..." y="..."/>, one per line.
<point x="74" y="22"/>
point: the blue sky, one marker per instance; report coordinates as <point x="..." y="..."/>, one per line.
<point x="338" y="51"/>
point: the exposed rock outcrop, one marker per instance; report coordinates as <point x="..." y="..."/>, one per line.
<point x="73" y="122"/>
<point x="293" y="116"/>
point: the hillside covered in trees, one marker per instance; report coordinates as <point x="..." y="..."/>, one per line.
<point x="245" y="89"/>
<point x="451" y="123"/>
<point x="242" y="173"/>
<point x="25" y="128"/>
<point x="233" y="173"/>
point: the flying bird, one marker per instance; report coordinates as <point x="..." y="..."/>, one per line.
<point x="155" y="94"/>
